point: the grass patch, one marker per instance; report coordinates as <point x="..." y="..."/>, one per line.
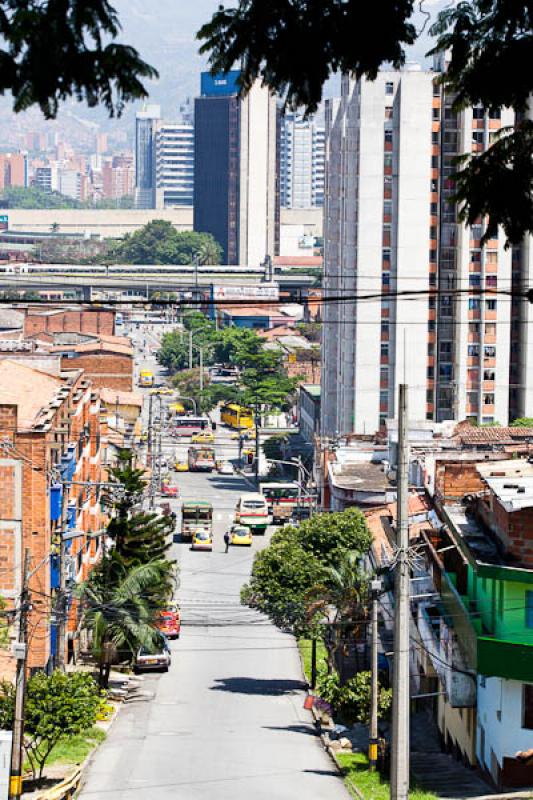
<point x="75" y="749"/>
<point x="305" y="646"/>
<point x="371" y="785"/>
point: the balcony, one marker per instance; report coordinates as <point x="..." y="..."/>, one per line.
<point x="511" y="660"/>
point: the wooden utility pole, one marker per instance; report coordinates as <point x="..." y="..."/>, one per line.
<point x="399" y="785"/>
<point x="15" y="783"/>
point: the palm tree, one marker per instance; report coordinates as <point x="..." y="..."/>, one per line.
<point x="208" y="252"/>
<point x="117" y="611"/>
<point x="340" y="597"/>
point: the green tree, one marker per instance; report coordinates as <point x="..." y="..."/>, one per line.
<point x="7" y="705"/>
<point x="117" y="610"/>
<point x="57" y="706"/>
<point x="31" y="197"/>
<point x="488" y="42"/>
<point x="352" y="698"/>
<point x="139" y="537"/>
<point x="344" y="590"/>
<point x="329" y="536"/>
<point x="522" y="422"/>
<point x="158" y="242"/>
<point x="86" y="62"/>
<point x="282" y="574"/>
<point x="4" y="627"/>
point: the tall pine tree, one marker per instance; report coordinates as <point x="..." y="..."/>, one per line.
<point x="139" y="537"/>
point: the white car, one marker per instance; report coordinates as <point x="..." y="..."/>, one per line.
<point x="155" y="657"/>
<point x="226" y="468"/>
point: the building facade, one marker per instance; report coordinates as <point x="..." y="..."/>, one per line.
<point x="146" y="122"/>
<point x="302" y="151"/>
<point x="390" y="229"/>
<point x="174" y="165"/>
<point x="236" y="191"/>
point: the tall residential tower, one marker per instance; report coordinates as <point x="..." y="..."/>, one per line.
<point x="390" y="230"/>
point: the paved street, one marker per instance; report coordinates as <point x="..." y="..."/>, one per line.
<point x="227" y="720"/>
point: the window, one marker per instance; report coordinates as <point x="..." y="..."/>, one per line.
<point x="445" y="371"/>
<point x="489" y="351"/>
<point x="432" y="231"/>
<point x="474" y="303"/>
<point x="433" y="256"/>
<point x="386" y="255"/>
<point x="474" y="279"/>
<point x="491" y="257"/>
<point x="387" y="208"/>
<point x="529" y="609"/>
<point x="431" y="372"/>
<point x="384" y="398"/>
<point x="473" y="350"/>
<point x="386" y="278"/>
<point x="384" y="349"/>
<point x="388" y="112"/>
<point x="527" y="706"/>
<point x="384" y="327"/>
<point x="434" y="162"/>
<point x="496" y="114"/>
<point x="489" y="375"/>
<point x="434" y="137"/>
<point x="477" y="137"/>
<point x="431" y="349"/>
<point x="476" y="231"/>
<point x="473" y="327"/>
<point x="492" y="281"/>
<point x="389" y="88"/>
<point x="387" y="160"/>
<point x="445" y="348"/>
<point x="436" y="89"/>
<point x="434" y="209"/>
<point x="478" y="112"/>
<point x="491" y="305"/>
<point x="488" y="399"/>
<point x="436" y="113"/>
<point x="388" y="137"/>
<point x="475" y="256"/>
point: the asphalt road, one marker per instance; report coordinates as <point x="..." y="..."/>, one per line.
<point x="227" y="721"/>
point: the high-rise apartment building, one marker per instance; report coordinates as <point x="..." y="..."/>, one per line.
<point x="302" y="148"/>
<point x="118" y="177"/>
<point x="236" y="192"/>
<point x="390" y="230"/>
<point x="13" y="169"/>
<point x="145" y="131"/>
<point x="174" y="165"/>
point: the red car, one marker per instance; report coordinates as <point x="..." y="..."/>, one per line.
<point x="168" y="622"/>
<point x="167" y="490"/>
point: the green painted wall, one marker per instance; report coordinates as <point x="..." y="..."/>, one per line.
<point x="501" y="607"/>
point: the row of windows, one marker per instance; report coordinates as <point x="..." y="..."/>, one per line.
<point x="489" y="350"/>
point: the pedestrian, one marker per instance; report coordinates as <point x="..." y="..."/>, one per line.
<point x="226" y="540"/>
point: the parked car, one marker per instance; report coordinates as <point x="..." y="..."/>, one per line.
<point x="240" y="535"/>
<point x="226" y="468"/>
<point x="168" y="622"/>
<point x="155" y="657"/>
<point x="202" y="540"/>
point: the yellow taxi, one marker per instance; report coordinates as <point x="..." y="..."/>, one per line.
<point x="203" y="438"/>
<point x="144" y="436"/>
<point x="245" y="434"/>
<point x="181" y="466"/>
<point x="162" y="390"/>
<point x="202" y="540"/>
<point x="240" y="535"/>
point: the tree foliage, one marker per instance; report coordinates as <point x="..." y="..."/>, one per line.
<point x="489" y="42"/>
<point x="522" y="422"/>
<point x="57" y="706"/>
<point x="158" y="242"/>
<point x="352" y="698"/>
<point x="55" y="50"/>
<point x="298" y="559"/>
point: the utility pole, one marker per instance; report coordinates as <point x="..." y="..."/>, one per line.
<point x="399" y="785"/>
<point x="201" y="349"/>
<point x="375" y="586"/>
<point x="15" y="782"/>
<point x="190" y="349"/>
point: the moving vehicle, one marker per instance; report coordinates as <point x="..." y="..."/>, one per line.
<point x="168" y="622"/>
<point x="146" y="378"/>
<point x="177" y="408"/>
<point x="196" y="515"/>
<point x="226" y="468"/>
<point x="252" y="511"/>
<point x="236" y="416"/>
<point x="167" y="490"/>
<point x="247" y="434"/>
<point x="189" y="425"/>
<point x="240" y="535"/>
<point x="162" y="390"/>
<point x="282" y="499"/>
<point x="157" y="656"/>
<point x="201" y="458"/>
<point x="205" y="437"/>
<point x="181" y="466"/>
<point x="202" y="540"/>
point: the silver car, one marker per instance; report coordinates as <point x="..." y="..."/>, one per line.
<point x="155" y="657"/>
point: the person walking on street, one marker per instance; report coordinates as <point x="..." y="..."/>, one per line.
<point x="226" y="541"/>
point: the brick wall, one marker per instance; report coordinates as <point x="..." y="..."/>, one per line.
<point x="454" y="479"/>
<point x="97" y="321"/>
<point x="517" y="528"/>
<point x="104" y="370"/>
